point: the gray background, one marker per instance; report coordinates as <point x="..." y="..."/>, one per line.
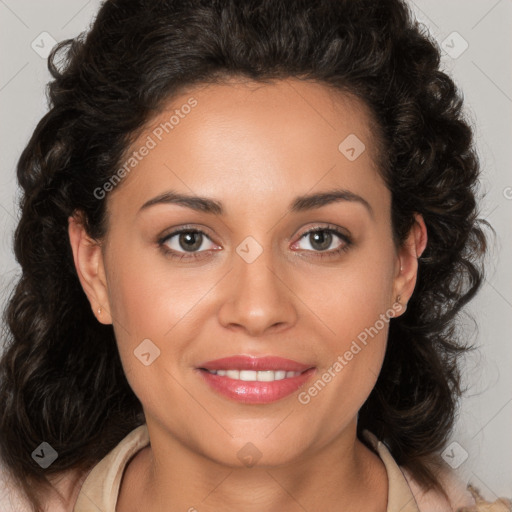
<point x="482" y="440"/>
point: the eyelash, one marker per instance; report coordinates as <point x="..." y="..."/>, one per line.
<point x="319" y="254"/>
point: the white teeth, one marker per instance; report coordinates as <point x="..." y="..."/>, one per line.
<point x="252" y="375"/>
<point x="233" y="374"/>
<point x="248" y="375"/>
<point x="266" y="376"/>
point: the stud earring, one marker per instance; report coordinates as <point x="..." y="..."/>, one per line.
<point x="99" y="311"/>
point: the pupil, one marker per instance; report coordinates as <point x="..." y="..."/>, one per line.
<point x="322" y="239"/>
<point x="190" y="241"/>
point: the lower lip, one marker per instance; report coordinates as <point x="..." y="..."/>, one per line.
<point x="255" y="392"/>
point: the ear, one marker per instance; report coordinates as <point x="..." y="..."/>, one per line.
<point x="406" y="271"/>
<point x="88" y="258"/>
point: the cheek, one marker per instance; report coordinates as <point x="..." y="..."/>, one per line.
<point x="352" y="309"/>
<point x="148" y="296"/>
<point x="346" y="300"/>
<point x="355" y="316"/>
<point x="156" y="302"/>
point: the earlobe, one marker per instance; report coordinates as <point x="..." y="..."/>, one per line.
<point x="407" y="262"/>
<point x="88" y="259"/>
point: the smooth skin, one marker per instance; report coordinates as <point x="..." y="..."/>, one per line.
<point x="252" y="148"/>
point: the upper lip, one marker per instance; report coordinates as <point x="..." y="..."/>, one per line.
<point x="240" y="362"/>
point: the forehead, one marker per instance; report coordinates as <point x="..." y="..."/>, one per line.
<point x="291" y="108"/>
<point x="238" y="136"/>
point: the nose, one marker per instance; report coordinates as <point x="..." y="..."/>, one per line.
<point x="258" y="299"/>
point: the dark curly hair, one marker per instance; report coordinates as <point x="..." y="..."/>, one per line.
<point x="61" y="376"/>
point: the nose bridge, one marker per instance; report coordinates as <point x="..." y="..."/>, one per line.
<point x="258" y="298"/>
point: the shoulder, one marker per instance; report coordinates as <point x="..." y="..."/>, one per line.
<point x="461" y="497"/>
<point x="11" y="498"/>
<point x="402" y="485"/>
<point x="71" y="487"/>
<point x="66" y="487"/>
<point x="500" y="505"/>
<point x="432" y="500"/>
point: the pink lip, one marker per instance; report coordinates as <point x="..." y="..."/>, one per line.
<point x="255" y="392"/>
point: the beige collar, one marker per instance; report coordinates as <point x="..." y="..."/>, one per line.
<point x="100" y="489"/>
<point x="400" y="496"/>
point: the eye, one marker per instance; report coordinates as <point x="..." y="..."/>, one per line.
<point x="193" y="243"/>
<point x="186" y="243"/>
<point x="324" y="240"/>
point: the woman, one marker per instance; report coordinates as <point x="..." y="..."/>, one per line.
<point x="247" y="231"/>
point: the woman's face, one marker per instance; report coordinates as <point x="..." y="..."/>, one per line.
<point x="271" y="162"/>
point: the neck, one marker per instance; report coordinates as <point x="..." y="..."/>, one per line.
<point x="335" y="477"/>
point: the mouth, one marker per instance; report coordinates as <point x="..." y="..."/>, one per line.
<point x="255" y="380"/>
<point x="254" y="376"/>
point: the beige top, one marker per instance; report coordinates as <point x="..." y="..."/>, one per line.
<point x="100" y="489"/>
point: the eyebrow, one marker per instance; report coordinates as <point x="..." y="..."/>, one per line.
<point x="299" y="204"/>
